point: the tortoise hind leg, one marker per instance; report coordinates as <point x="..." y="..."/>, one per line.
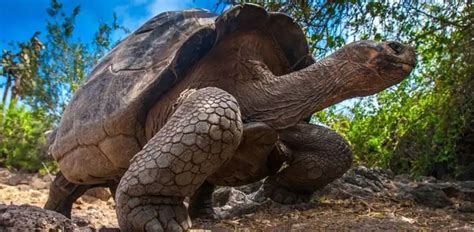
<point x="62" y="194"/>
<point x="317" y="156"/>
<point x="200" y="205"/>
<point x="197" y="139"/>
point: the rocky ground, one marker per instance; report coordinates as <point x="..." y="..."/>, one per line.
<point x="364" y="199"/>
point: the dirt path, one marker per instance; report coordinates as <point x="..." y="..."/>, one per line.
<point x="350" y="215"/>
<point x="327" y="214"/>
<point x="19" y="189"/>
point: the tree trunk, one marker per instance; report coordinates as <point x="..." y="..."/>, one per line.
<point x="7" y="87"/>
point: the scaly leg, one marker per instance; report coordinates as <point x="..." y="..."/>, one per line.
<point x="200" y="205"/>
<point x="255" y="158"/>
<point x="198" y="138"/>
<point x="317" y="156"/>
<point x="63" y="194"/>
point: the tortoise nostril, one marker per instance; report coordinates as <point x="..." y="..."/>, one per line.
<point x="397" y="47"/>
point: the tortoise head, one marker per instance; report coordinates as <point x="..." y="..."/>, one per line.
<point x="376" y="65"/>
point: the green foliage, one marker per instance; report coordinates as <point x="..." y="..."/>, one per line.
<point x="40" y="77"/>
<point x="421" y="125"/>
<point x="66" y="61"/>
<point x="22" y="141"/>
<point x="45" y="75"/>
<point x="20" y="69"/>
<point x="417" y="126"/>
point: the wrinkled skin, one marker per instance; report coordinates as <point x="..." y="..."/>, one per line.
<point x="237" y="118"/>
<point x="314" y="155"/>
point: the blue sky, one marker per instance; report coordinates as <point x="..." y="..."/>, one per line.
<point x="19" y="19"/>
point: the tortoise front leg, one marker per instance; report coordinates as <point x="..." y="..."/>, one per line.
<point x="198" y="138"/>
<point x="317" y="156"/>
<point x="254" y="159"/>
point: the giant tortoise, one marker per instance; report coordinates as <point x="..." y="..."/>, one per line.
<point x="192" y="100"/>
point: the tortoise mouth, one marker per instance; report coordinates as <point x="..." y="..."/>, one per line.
<point x="408" y="63"/>
<point x="400" y="55"/>
<point x="405" y="63"/>
<point x="404" y="59"/>
<point x="411" y="64"/>
<point x="407" y="67"/>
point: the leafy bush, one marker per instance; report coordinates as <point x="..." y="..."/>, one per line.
<point x="22" y="140"/>
<point x="420" y="126"/>
<point x="425" y="125"/>
<point x="39" y="79"/>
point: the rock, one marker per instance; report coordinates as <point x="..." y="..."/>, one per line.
<point x="81" y="222"/>
<point x="47" y="178"/>
<point x="466" y="207"/>
<point x="431" y="196"/>
<point x="403" y="178"/>
<point x="221" y="196"/>
<point x="19" y="178"/>
<point x="236" y="202"/>
<point x="23" y="187"/>
<point x="468" y="195"/>
<point x="428" y="179"/>
<point x="32" y="218"/>
<point x="366" y="183"/>
<point x="359" y="182"/>
<point x="5" y="174"/>
<point x="38" y="183"/>
<point x="250" y="188"/>
<point x="467" y="190"/>
<point x="94" y="194"/>
<point x="436" y="193"/>
<point x="466" y="184"/>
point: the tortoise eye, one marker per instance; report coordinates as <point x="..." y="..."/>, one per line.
<point x="397" y="47"/>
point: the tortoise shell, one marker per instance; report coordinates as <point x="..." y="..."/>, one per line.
<point x="103" y="124"/>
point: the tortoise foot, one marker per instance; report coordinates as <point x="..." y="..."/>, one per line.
<point x="316" y="157"/>
<point x="172" y="217"/>
<point x="199" y="137"/>
<point x="278" y="193"/>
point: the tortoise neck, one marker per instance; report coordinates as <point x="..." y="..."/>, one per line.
<point x="283" y="101"/>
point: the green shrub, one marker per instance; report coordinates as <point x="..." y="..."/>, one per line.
<point x="22" y="139"/>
